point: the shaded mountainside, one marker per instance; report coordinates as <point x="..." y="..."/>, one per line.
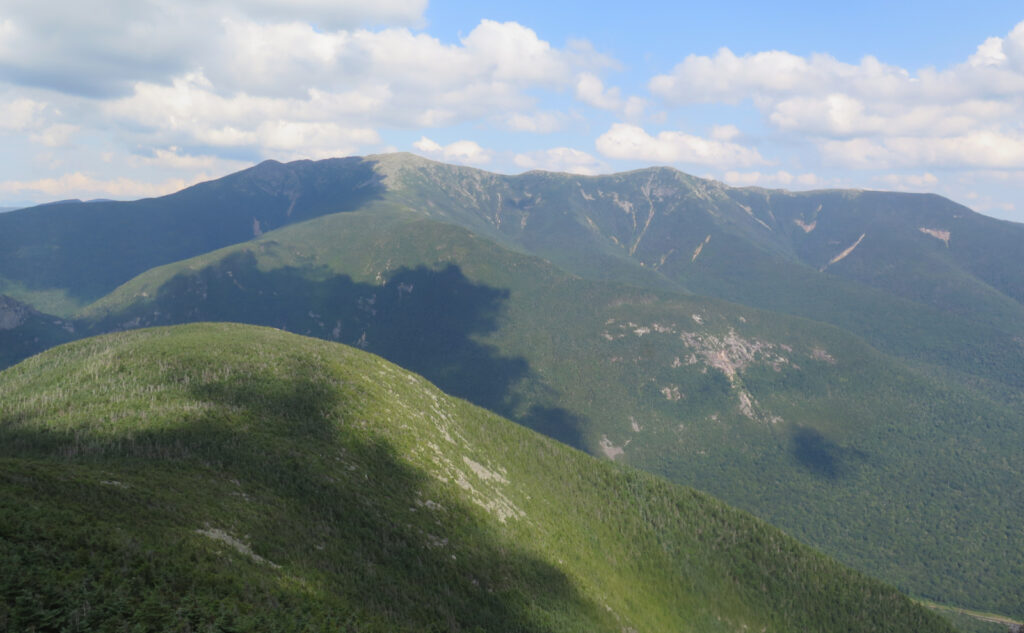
<point x="225" y="477"/>
<point x="24" y="331"/>
<point x="913" y="274"/>
<point x="916" y="275"/>
<point x="799" y="422"/>
<point x="60" y="257"/>
<point x="664" y="220"/>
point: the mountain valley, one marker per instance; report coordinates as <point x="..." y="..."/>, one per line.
<point x="846" y="365"/>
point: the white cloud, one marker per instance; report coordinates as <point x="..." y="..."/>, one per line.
<point x="191" y="111"/>
<point x="983" y="148"/>
<point x="313" y="139"/>
<point x="590" y="90"/>
<point x="541" y="122"/>
<point x="842" y="115"/>
<point x="21" y="114"/>
<point x="779" y="178"/>
<point x="871" y="114"/>
<point x="989" y="53"/>
<point x="172" y="158"/>
<point x="192" y="102"/>
<point x="56" y="135"/>
<point x="284" y="58"/>
<point x="562" y="159"/>
<point x="512" y="52"/>
<point x="729" y="78"/>
<point x="363" y="79"/>
<point x="100" y="47"/>
<point x="724" y="132"/>
<point x="909" y="182"/>
<point x="273" y="79"/>
<point x="634" y="107"/>
<point x="1013" y="48"/>
<point x="79" y="185"/>
<point x="463" y="152"/>
<point x="632" y="142"/>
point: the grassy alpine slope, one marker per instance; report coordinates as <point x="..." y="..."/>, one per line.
<point x="225" y="477"/>
<point x="799" y="422"/>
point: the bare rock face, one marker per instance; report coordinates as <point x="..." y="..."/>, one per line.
<point x="12" y="313"/>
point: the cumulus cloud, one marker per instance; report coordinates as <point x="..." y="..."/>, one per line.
<point x="191" y="111"/>
<point x="262" y="78"/>
<point x="100" y="47"/>
<point x="287" y="57"/>
<point x="590" y="90"/>
<point x="512" y="52"/>
<point x="870" y="114"/>
<point x="634" y="143"/>
<point x="462" y="152"/>
<point x="96" y="49"/>
<point x="355" y="80"/>
<point x="562" y="159"/>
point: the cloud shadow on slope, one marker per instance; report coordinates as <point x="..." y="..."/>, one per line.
<point x="822" y="456"/>
<point x="423" y="319"/>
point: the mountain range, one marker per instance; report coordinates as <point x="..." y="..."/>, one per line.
<point x="846" y="365"/>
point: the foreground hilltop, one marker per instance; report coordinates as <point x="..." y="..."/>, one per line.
<point x="226" y="477"/>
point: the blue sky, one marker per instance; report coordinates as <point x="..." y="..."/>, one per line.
<point x="131" y="98"/>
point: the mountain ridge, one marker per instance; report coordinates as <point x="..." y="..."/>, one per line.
<point x="581" y="302"/>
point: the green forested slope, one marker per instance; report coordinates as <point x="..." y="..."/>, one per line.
<point x="882" y="265"/>
<point x="801" y="423"/>
<point x="223" y="477"/>
<point x="930" y="280"/>
<point x="883" y="425"/>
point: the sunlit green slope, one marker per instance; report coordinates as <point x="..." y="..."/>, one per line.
<point x="226" y="477"/>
